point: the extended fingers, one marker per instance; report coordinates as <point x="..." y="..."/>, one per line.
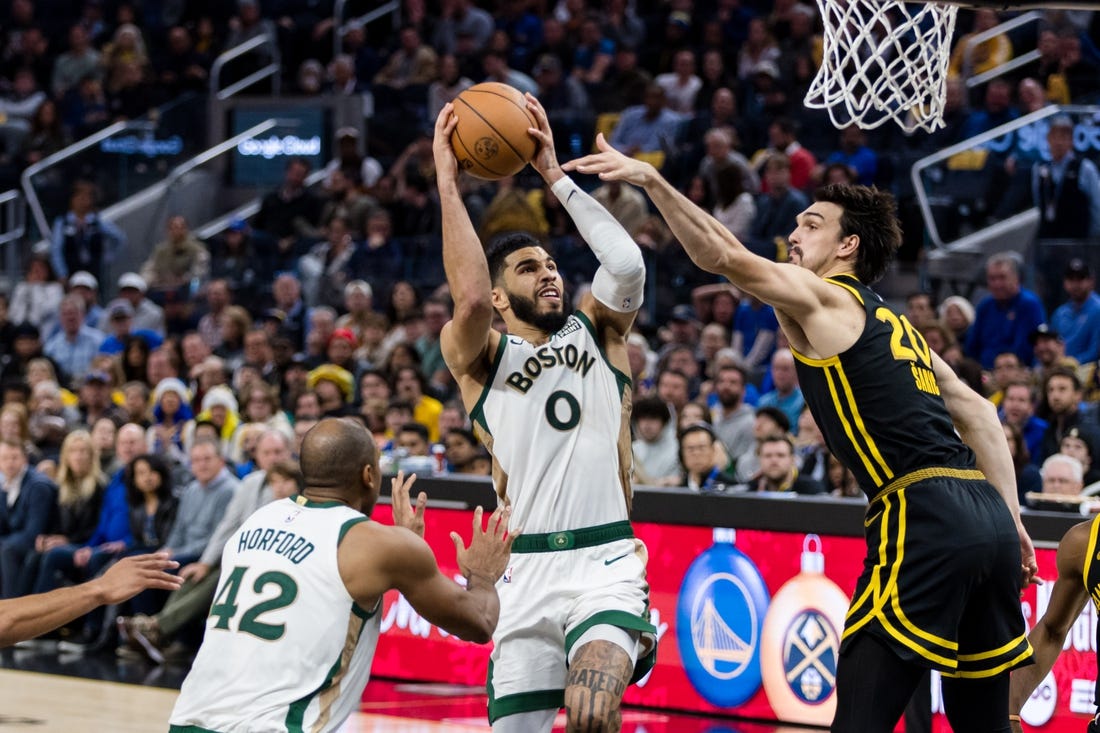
<point x="421" y="504"/>
<point x="446" y="119"/>
<point x="537" y="110"/>
<point x="163" y="581"/>
<point x="155" y="561"/>
<point x="498" y="522"/>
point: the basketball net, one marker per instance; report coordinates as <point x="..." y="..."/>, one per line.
<point x="884" y="60"/>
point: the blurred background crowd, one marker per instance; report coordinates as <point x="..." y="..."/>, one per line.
<point x="156" y="408"/>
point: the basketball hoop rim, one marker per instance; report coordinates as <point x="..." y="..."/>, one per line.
<point x="1010" y="5"/>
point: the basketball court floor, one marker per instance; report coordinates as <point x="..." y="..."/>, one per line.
<point x="42" y="691"/>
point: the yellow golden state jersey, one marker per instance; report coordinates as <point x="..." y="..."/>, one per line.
<point x="286" y="647"/>
<point x="556" y="419"/>
<point x="878" y="404"/>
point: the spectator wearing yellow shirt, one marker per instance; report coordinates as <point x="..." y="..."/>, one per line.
<point x="984" y="56"/>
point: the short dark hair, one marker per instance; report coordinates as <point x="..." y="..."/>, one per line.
<point x="651" y="407"/>
<point x="697" y="427"/>
<point x="786" y="125"/>
<point x="403" y="405"/>
<point x="466" y="435"/>
<point x="921" y="294"/>
<point x="504" y="244"/>
<point x="290" y="470"/>
<point x="1061" y="371"/>
<point x="777" y="415"/>
<point x="869" y="215"/>
<point x="775" y="438"/>
<point x="740" y="369"/>
<point x="415" y="427"/>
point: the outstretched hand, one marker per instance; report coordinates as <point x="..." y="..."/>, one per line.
<point x="611" y="165"/>
<point x="489" y="550"/>
<point x="404" y="514"/>
<point x="546" y="158"/>
<point x="131" y="575"/>
<point x="446" y="164"/>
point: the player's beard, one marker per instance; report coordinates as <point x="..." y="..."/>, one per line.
<point x="527" y="310"/>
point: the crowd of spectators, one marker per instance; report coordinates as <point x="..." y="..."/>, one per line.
<point x="156" y="410"/>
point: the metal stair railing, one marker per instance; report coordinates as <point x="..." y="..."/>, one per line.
<point x="14" y="215"/>
<point x="176" y="174"/>
<point x="971" y="45"/>
<point x="273" y="69"/>
<point x="340" y="26"/>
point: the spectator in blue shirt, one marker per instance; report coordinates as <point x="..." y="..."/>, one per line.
<point x="786" y="396"/>
<point x="997" y="110"/>
<point x="86" y="286"/>
<point x="1007" y="316"/>
<point x="648" y="127"/>
<point x="754" y="331"/>
<point x="855" y="154"/>
<point x="75" y="345"/>
<point x="1018" y="409"/>
<point x="120" y="315"/>
<point x="1078" y="319"/>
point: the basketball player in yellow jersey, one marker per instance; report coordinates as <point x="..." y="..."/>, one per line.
<point x="946" y="551"/>
<point x="551" y="399"/>
<point x="1078" y="581"/>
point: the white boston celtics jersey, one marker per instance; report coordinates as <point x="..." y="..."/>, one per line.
<point x="556" y="419"/>
<point x="286" y="647"/>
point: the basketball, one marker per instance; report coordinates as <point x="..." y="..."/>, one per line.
<point x="491" y="140"/>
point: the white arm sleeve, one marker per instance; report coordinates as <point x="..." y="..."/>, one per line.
<point x="620" y="282"/>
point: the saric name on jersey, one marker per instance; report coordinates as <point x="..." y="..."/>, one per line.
<point x="281" y="542"/>
<point x="546" y="357"/>
<point x="925" y="379"/>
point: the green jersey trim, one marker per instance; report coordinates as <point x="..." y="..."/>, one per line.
<point x="623" y="380"/>
<point x="302" y="500"/>
<point x="573" y="539"/>
<point x="521" y="702"/>
<point x="478" y="413"/>
<point x="346" y="527"/>
<point x="623" y="620"/>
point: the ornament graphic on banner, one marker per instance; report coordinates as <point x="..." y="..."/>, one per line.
<point x="1039" y="708"/>
<point x="801" y="642"/>
<point x="719" y="616"/>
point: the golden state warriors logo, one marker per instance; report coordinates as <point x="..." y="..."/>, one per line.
<point x="486" y="148"/>
<point x="810" y="649"/>
<point x="722" y="651"/>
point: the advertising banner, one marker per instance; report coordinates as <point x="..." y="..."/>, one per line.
<point x="749" y="622"/>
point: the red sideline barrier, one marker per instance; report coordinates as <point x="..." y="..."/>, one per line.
<point x="727" y="646"/>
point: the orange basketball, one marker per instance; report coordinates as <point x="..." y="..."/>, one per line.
<point x="491" y="139"/>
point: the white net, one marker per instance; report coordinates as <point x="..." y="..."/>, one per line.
<point x="884" y="60"/>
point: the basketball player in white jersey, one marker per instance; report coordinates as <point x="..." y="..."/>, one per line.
<point x="295" y="621"/>
<point x="551" y="399"/>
